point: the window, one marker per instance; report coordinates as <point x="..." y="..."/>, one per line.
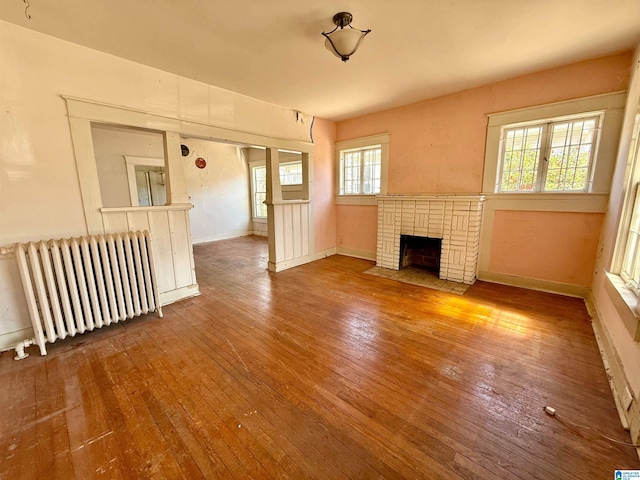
<point x="360" y="170"/>
<point x="630" y="268"/>
<point x="559" y="151"/>
<point x="290" y="174"/>
<point x="259" y="188"/>
<point x="630" y="271"/>
<point x="554" y="156"/>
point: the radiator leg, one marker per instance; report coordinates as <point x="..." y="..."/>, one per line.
<point x="20" y="353"/>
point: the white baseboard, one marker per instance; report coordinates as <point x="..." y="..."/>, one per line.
<point x="350" y="252"/>
<point x="179" y="294"/>
<point x="535" y="284"/>
<point x="294" y="262"/>
<point x="222" y="236"/>
<point x="630" y="419"/>
<point x="9" y="340"/>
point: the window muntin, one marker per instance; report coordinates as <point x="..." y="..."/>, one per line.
<point x="520" y="159"/>
<point x="361" y="171"/>
<point x="555" y="156"/>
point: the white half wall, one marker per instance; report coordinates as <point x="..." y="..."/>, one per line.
<point x="40" y="196"/>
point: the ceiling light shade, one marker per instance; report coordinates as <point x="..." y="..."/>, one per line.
<point x="343" y="42"/>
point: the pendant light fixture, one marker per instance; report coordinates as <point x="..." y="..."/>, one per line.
<point x="343" y="42"/>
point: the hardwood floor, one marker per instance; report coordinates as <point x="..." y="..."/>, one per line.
<point x="319" y="372"/>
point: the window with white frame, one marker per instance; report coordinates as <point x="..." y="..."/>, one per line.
<point x="630" y="271"/>
<point x="555" y="155"/>
<point x="362" y="165"/>
<point x="290" y="174"/>
<point x="360" y="171"/>
<point x="558" y="150"/>
<point x="259" y="190"/>
<point x="630" y="267"/>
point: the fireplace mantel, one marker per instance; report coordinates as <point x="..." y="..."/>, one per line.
<point x="449" y="196"/>
<point x="453" y="218"/>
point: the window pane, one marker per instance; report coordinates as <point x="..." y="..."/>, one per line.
<point x="291" y="173"/>
<point x="260" y="207"/>
<point x="351" y="172"/>
<point x="361" y="171"/>
<point x="372" y="170"/>
<point x="570" y="156"/>
<point x="631" y="263"/>
<point x="521" y="151"/>
<point x="259" y="191"/>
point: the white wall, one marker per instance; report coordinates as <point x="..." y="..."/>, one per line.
<point x="615" y="320"/>
<point x="110" y="144"/>
<point x="39" y="185"/>
<point x="219" y="192"/>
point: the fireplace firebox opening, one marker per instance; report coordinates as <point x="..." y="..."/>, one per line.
<point x="420" y="252"/>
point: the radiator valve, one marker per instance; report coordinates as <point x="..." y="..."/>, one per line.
<point x="20" y="353"/>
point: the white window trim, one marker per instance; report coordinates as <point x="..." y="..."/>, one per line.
<point x="624" y="297"/>
<point x="546" y="126"/>
<point x="612" y="104"/>
<point x="632" y="179"/>
<point x="364" y="199"/>
<point x="634" y="205"/>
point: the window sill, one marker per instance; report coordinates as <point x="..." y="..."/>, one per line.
<point x="626" y="304"/>
<point x="356" y="200"/>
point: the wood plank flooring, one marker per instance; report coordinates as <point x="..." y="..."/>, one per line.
<point x="318" y="372"/>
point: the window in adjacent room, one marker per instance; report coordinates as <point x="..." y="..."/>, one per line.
<point x="259" y="189"/>
<point x="551" y="156"/>
<point x="290" y="175"/>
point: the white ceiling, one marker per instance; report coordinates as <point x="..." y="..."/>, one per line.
<point x="272" y="49"/>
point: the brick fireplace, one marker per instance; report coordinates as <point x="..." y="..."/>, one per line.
<point x="453" y="218"/>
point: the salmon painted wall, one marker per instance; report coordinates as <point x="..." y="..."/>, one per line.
<point x="356" y="228"/>
<point x="438" y="146"/>
<point x="558" y="238"/>
<point x="324" y="209"/>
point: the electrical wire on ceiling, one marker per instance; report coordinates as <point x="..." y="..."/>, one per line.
<point x="26" y="9"/>
<point x="313" y="119"/>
